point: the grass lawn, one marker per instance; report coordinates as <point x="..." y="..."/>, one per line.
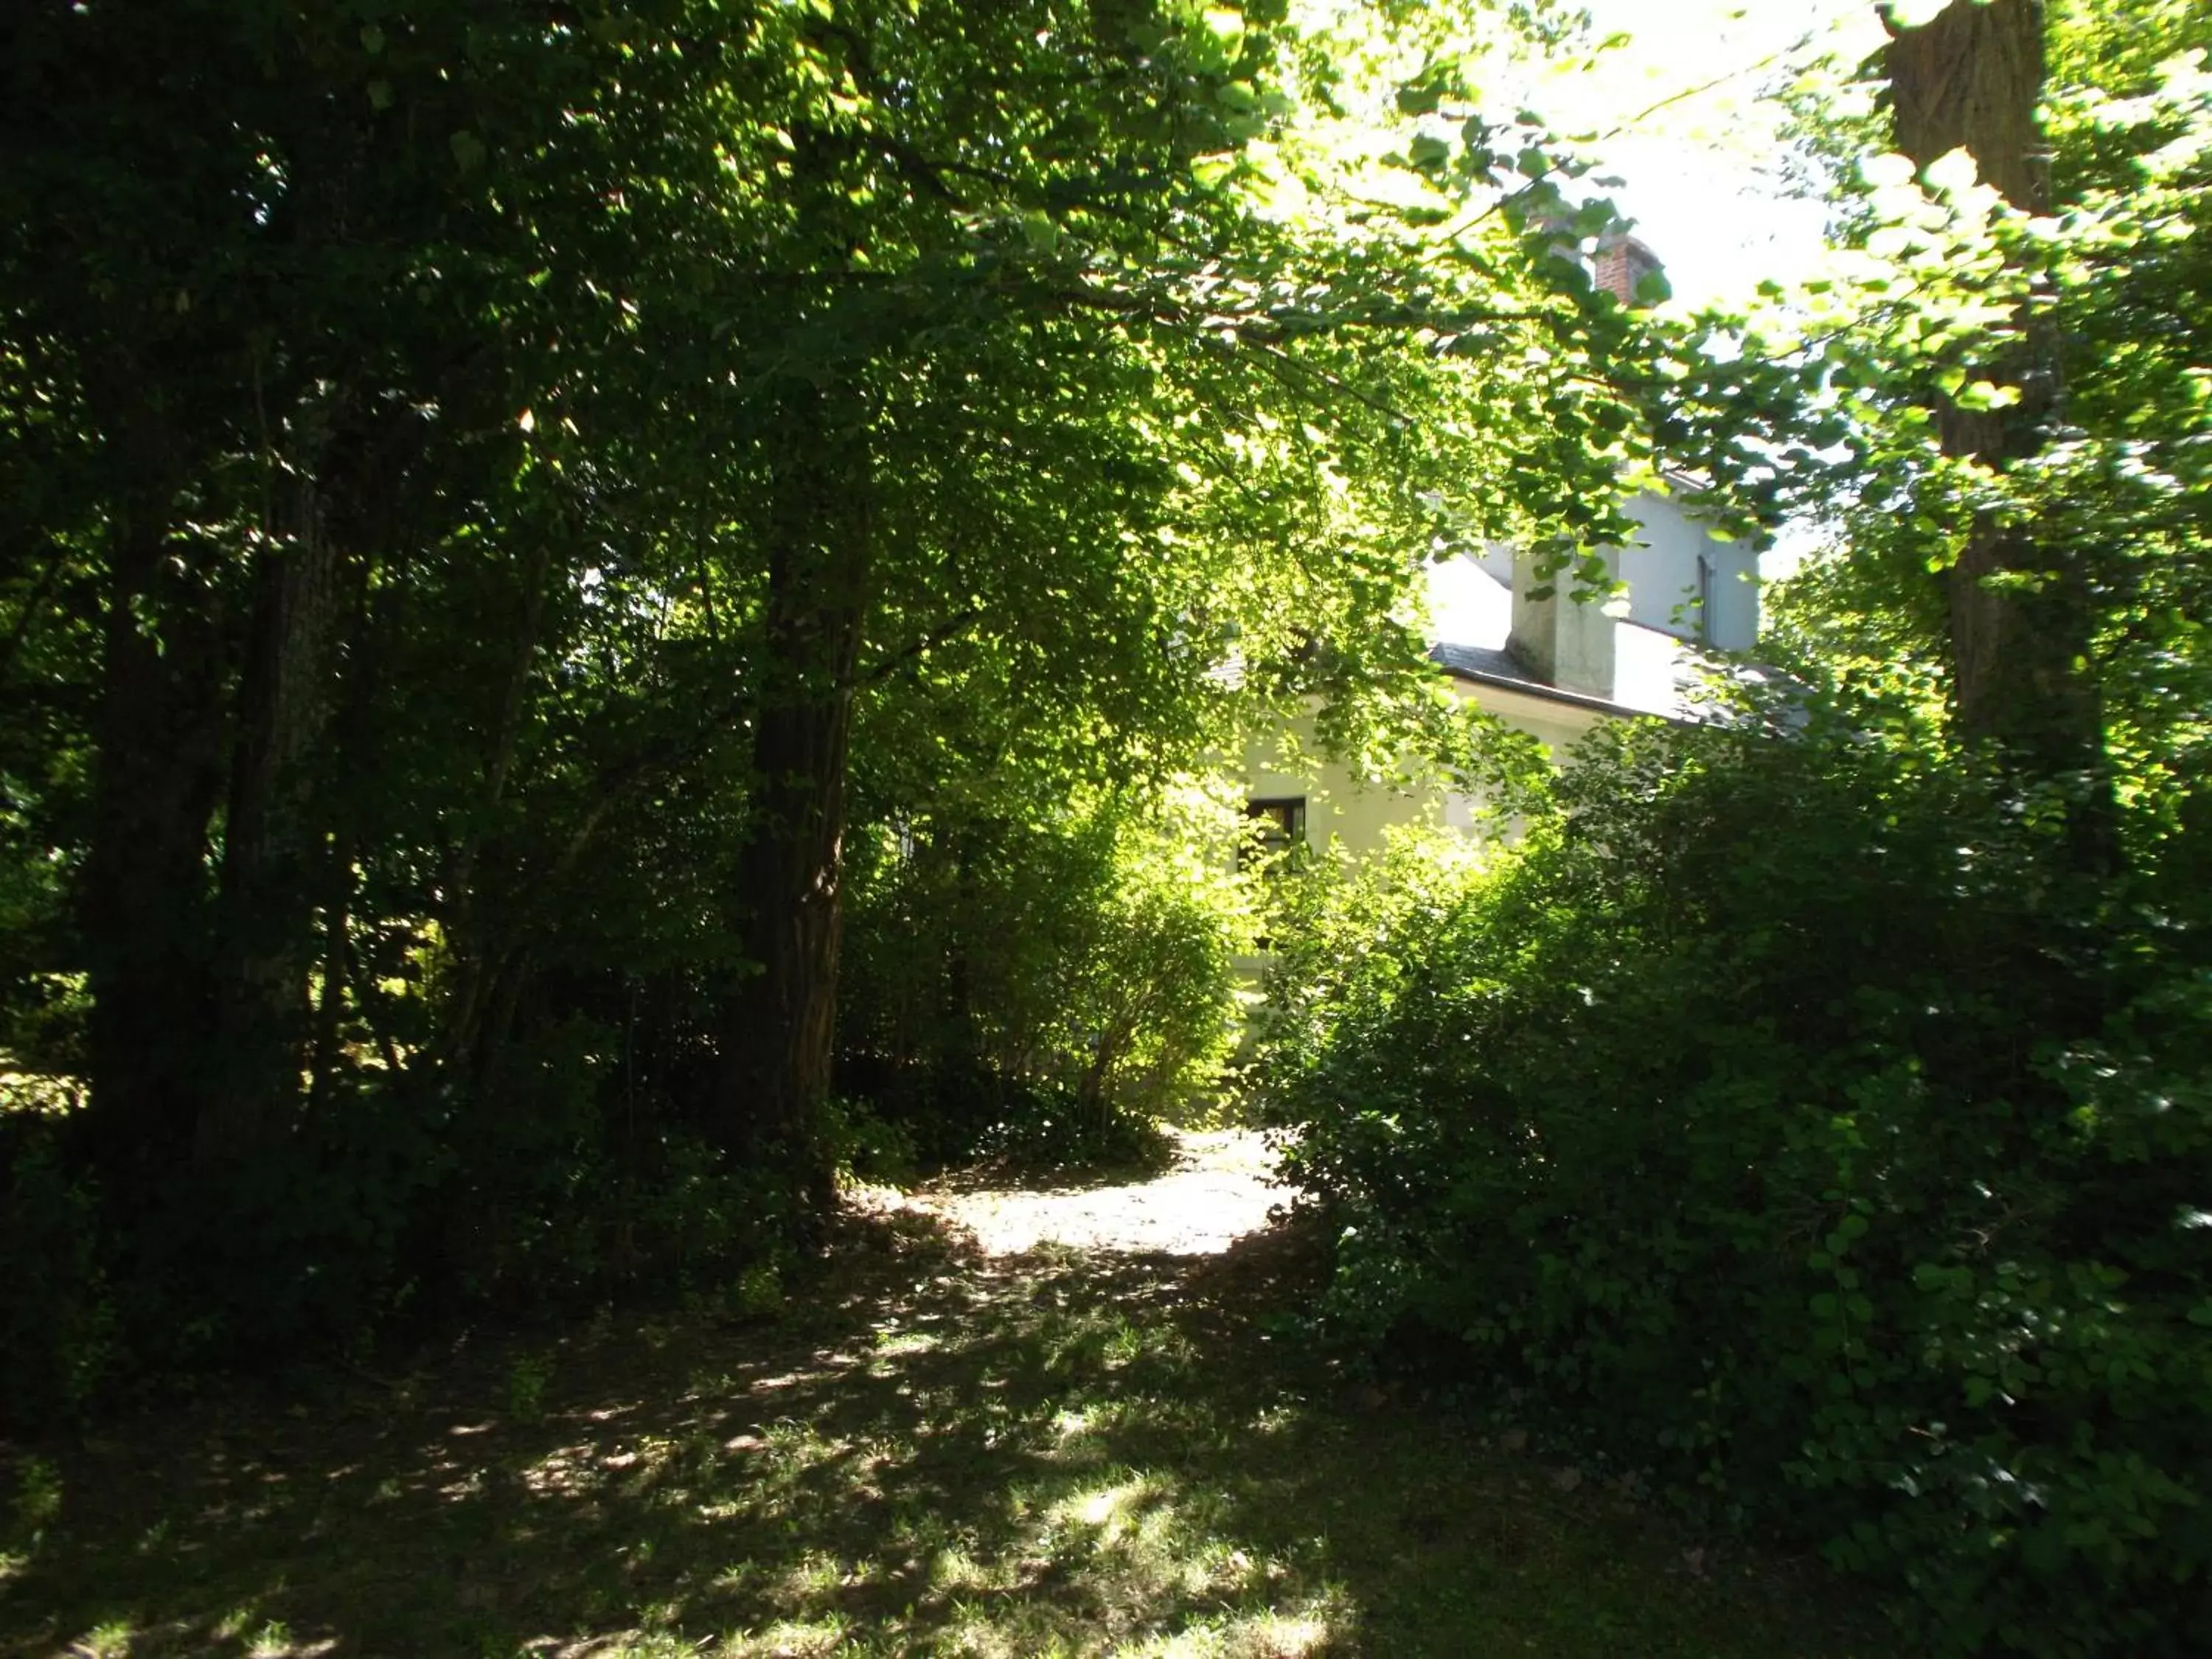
<point x="1058" y="1453"/>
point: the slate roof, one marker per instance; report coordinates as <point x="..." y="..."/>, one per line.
<point x="1485" y="666"/>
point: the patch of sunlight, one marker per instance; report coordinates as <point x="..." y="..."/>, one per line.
<point x="973" y="1635"/>
<point x="792" y="1452"/>
<point x="275" y="1640"/>
<point x="656" y="1645"/>
<point x="798" y="1444"/>
<point x="1223" y="1573"/>
<point x="660" y="1616"/>
<point x="739" y="1577"/>
<point x="957" y="1573"/>
<point x="111" y="1640"/>
<point x="1130" y="1509"/>
<point x="790" y="1639"/>
<point x="878" y="1453"/>
<point x="1142" y="1414"/>
<point x="1126" y="1342"/>
<point x="817" y="1574"/>
<point x="1316" y="1627"/>
<point x="785" y="1380"/>
<point x="562" y="1473"/>
<point x="233" y="1624"/>
<point x="891" y="1343"/>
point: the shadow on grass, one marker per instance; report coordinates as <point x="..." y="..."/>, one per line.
<point x="1130" y="1150"/>
<point x="941" y="1454"/>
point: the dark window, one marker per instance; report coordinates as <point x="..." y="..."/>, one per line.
<point x="1278" y="827"/>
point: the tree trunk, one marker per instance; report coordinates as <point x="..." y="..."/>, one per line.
<point x="273" y="852"/>
<point x="477" y="960"/>
<point x="1972" y="78"/>
<point x="143" y="904"/>
<point x="780" y="1030"/>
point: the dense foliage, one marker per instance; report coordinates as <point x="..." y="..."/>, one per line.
<point x="1041" y="985"/>
<point x="497" y="502"/>
<point x="1812" y="1114"/>
<point x="1767" y="1122"/>
<point x="606" y="608"/>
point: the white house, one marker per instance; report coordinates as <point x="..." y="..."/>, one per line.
<point x="1551" y="666"/>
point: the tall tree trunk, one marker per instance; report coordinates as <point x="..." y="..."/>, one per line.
<point x="479" y="965"/>
<point x="352" y="739"/>
<point x="780" y="1027"/>
<point x="143" y="904"/>
<point x="273" y="852"/>
<point x="1972" y="78"/>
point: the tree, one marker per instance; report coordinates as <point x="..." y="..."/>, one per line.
<point x="498" y="476"/>
<point x="959" y="258"/>
<point x="1972" y="79"/>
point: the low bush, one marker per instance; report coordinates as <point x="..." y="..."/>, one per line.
<point x="391" y="1211"/>
<point x="1781" y="1124"/>
<point x="1044" y="989"/>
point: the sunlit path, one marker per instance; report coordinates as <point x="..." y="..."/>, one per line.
<point x="1216" y="1192"/>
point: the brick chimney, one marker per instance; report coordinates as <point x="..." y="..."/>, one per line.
<point x="1623" y="263"/>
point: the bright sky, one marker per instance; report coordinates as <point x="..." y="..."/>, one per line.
<point x="1700" y="146"/>
<point x="1699" y="150"/>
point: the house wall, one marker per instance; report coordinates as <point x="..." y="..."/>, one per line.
<point x="1355" y="814"/>
<point x="1662" y="574"/>
<point x="1351" y="811"/>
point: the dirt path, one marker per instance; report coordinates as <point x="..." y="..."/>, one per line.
<point x="998" y="1423"/>
<point x="1218" y="1190"/>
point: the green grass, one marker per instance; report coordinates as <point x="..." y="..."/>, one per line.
<point x="1057" y="1455"/>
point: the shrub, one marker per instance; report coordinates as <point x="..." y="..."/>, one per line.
<point x="1781" y="1120"/>
<point x="58" y="1341"/>
<point x="1044" y="987"/>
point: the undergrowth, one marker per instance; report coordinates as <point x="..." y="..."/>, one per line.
<point x="1781" y="1124"/>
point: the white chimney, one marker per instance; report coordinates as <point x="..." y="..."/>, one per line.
<point x="1561" y="640"/>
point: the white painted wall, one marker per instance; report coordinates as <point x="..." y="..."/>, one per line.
<point x="1663" y="576"/>
<point x="1354" y="814"/>
<point x="1348" y="812"/>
